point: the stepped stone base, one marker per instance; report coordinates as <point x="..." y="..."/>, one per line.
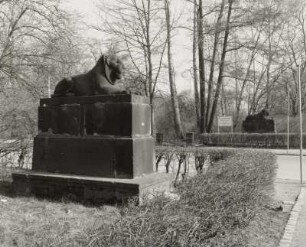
<point x="89" y="189"/>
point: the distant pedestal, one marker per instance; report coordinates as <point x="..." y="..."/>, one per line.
<point x="259" y="126"/>
<point x="105" y="137"/>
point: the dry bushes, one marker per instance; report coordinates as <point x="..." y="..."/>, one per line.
<point x="186" y="159"/>
<point x="215" y="208"/>
<point x="229" y="205"/>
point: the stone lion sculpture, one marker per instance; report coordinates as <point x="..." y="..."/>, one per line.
<point x="259" y="123"/>
<point x="263" y="114"/>
<point x="101" y="79"/>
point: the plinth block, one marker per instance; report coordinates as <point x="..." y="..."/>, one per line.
<point x="118" y="98"/>
<point x="89" y="189"/>
<point x="121" y="115"/>
<point x="94" y="155"/>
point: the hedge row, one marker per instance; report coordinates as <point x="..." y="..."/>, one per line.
<point x="265" y="140"/>
<point x="214" y="209"/>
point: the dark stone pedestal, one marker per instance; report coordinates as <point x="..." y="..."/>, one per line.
<point x="112" y="157"/>
<point x="190" y="139"/>
<point x="259" y="126"/>
<point x="106" y="137"/>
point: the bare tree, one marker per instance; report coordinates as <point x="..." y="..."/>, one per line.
<point x="174" y="99"/>
<point x="28" y="28"/>
<point x="34" y="44"/>
<point x="138" y="29"/>
<point x="217" y="32"/>
<point x="201" y="67"/>
<point x="221" y="66"/>
<point x="246" y="78"/>
<point x="194" y="63"/>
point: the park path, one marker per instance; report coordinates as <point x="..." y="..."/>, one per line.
<point x="289" y="167"/>
<point x="299" y="236"/>
<point x="288" y="173"/>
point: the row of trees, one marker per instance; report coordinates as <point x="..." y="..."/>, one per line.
<point x="243" y="55"/>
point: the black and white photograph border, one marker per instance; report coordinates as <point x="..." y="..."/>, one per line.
<point x="152" y="123"/>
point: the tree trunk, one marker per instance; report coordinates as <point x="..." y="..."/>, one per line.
<point x="213" y="59"/>
<point x="194" y="65"/>
<point x="174" y="99"/>
<point x="268" y="67"/>
<point x="224" y="100"/>
<point x="150" y="65"/>
<point x="201" y="67"/>
<point x="221" y="68"/>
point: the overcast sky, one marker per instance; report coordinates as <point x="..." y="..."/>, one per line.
<point x="182" y="43"/>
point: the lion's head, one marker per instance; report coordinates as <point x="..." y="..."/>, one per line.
<point x="111" y="67"/>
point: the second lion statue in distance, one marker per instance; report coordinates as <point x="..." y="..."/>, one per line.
<point x="101" y="79"/>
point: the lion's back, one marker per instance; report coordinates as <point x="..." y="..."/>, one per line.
<point x="83" y="84"/>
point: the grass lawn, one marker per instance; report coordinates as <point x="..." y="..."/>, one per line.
<point x="32" y="222"/>
<point x="231" y="205"/>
